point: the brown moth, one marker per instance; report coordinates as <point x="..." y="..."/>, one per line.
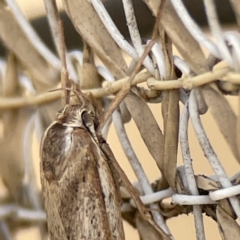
<point x="79" y="188"/>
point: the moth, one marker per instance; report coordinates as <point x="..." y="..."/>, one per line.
<point x="79" y="184"/>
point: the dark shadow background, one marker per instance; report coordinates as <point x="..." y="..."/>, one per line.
<point x="144" y="18"/>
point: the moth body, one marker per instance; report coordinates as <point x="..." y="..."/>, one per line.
<point x="80" y="194"/>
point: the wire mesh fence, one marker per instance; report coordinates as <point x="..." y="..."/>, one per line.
<point x="126" y="74"/>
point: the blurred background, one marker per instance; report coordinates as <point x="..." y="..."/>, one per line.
<point x="182" y="227"/>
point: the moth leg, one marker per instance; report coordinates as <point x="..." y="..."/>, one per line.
<point x="89" y="124"/>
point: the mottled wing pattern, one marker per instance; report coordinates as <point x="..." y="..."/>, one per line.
<point x="53" y="156"/>
<point x="78" y="205"/>
<point x="111" y="195"/>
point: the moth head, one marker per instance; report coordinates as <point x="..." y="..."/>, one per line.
<point x="92" y="106"/>
<point x="71" y="115"/>
<point x="75" y="115"/>
<point x="86" y="109"/>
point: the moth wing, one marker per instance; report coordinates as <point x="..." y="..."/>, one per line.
<point x="56" y="228"/>
<point x="97" y="206"/>
<point x="111" y="195"/>
<point x="52" y="165"/>
<point x="82" y="206"/>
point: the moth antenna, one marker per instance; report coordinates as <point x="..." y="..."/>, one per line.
<point x="77" y="92"/>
